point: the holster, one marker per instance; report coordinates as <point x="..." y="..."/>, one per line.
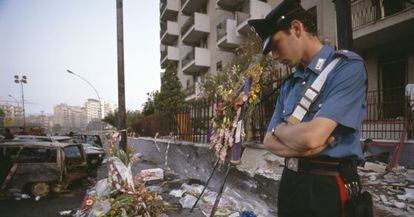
<point x="359" y="203"/>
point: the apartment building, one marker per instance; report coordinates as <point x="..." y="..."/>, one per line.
<point x="13" y="115"/>
<point x="199" y="36"/>
<point x="93" y="110"/>
<point x="69" y="117"/>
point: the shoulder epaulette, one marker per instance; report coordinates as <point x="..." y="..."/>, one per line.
<point x="350" y="55"/>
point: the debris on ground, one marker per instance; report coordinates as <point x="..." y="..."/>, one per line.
<point x="377" y="167"/>
<point x="120" y="194"/>
<point x="66" y="213"/>
<point x="261" y="162"/>
<point x="20" y="196"/>
<point x="188" y="201"/>
<point x="231" y="203"/>
<point x="152" y="174"/>
<point x="393" y="189"/>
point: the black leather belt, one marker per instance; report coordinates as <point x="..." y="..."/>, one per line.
<point x="313" y="166"/>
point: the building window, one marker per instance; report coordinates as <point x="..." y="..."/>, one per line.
<point x="203" y="42"/>
<point x="393" y="79"/>
<point x="188" y="83"/>
<point x="219" y="66"/>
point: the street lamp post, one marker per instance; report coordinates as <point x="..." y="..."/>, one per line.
<point x="97" y="94"/>
<point x="21" y="81"/>
<point x="17" y="102"/>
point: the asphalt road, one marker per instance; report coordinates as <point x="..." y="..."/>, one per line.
<point x="49" y="206"/>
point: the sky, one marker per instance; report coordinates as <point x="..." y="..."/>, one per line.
<point x="43" y="38"/>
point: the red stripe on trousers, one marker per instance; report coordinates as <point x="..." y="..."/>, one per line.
<point x="342" y="191"/>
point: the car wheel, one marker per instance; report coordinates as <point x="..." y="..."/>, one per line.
<point x="41" y="189"/>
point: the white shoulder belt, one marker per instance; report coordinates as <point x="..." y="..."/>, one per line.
<point x="310" y="95"/>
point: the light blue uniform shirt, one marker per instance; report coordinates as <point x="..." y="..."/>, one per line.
<point x="342" y="99"/>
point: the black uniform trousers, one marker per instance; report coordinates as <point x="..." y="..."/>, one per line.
<point x="311" y="195"/>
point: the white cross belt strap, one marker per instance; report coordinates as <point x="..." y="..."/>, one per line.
<point x="311" y="93"/>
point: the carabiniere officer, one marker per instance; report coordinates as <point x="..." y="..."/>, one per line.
<point x="321" y="147"/>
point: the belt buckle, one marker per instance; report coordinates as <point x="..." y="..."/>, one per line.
<point x="292" y="164"/>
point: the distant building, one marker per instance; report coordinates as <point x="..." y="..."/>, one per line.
<point x="43" y="121"/>
<point x="13" y="115"/>
<point x="109" y="108"/>
<point x="93" y="110"/>
<point x="70" y="117"/>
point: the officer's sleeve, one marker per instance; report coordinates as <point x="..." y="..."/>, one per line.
<point x="276" y="119"/>
<point x="346" y="96"/>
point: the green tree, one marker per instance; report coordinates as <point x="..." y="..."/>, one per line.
<point x="113" y="118"/>
<point x="170" y="99"/>
<point x="149" y="105"/>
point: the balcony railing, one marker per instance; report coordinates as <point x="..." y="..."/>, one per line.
<point x="169" y="32"/>
<point x="188" y="7"/>
<point x="164" y="54"/>
<point x="241" y="17"/>
<point x="189" y="57"/>
<point x="230" y="5"/>
<point x="387" y="110"/>
<point x="163" y="6"/>
<point x="187" y="25"/>
<point x="364" y="12"/>
<point x="221" y="30"/>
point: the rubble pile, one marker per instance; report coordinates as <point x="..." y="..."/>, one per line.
<point x="393" y="189"/>
<point x="120" y="194"/>
<point x="231" y="203"/>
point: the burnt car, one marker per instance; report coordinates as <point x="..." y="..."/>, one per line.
<point x="94" y="140"/>
<point x="32" y="138"/>
<point x="94" y="153"/>
<point x="40" y="167"/>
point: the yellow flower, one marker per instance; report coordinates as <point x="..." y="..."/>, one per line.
<point x="257" y="89"/>
<point x="89" y="202"/>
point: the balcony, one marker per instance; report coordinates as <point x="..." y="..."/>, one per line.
<point x="227" y="38"/>
<point x="196" y="27"/>
<point x="169" y="53"/>
<point x="190" y="90"/>
<point x="169" y="9"/>
<point x="375" y="24"/>
<point x="193" y="92"/>
<point x="169" y="32"/>
<point x="191" y="6"/>
<point x="196" y="61"/>
<point x="254" y="9"/>
<point x="230" y="5"/>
